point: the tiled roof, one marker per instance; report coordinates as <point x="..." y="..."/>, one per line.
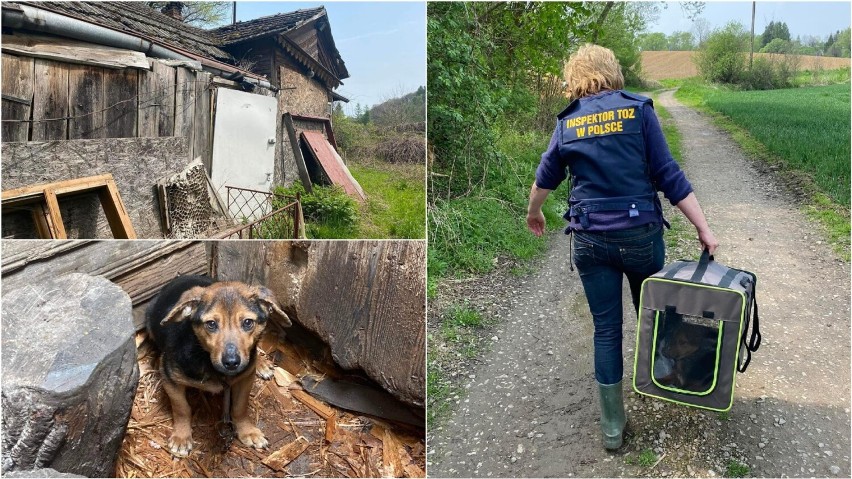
<point x="260" y="27"/>
<point x="139" y="17"/>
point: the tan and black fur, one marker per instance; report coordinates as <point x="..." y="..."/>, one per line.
<point x="207" y="333"/>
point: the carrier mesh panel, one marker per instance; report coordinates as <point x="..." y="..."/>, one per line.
<point x="685" y="352"/>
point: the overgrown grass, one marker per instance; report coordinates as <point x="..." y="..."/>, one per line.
<point x="396" y="200"/>
<point x="805" y="132"/>
<point x="468" y="234"/>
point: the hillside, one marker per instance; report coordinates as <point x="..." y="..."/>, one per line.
<point x="675" y="65"/>
<point x="409" y="108"/>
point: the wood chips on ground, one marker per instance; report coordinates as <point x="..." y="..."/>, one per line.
<point x="306" y="437"/>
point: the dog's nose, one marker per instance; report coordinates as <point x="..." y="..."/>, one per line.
<point x="231" y="358"/>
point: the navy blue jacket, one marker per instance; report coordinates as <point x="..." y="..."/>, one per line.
<point x="618" y="158"/>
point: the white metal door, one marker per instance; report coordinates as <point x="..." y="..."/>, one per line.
<point x="243" y="144"/>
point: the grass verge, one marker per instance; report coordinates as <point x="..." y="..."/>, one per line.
<point x="396" y="200"/>
<point x="780" y="130"/>
<point x="454" y="341"/>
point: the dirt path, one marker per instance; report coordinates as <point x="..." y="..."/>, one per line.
<point x="530" y="407"/>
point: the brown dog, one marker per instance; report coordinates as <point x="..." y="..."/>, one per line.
<point x="207" y="333"/>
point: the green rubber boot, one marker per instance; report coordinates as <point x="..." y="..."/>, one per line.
<point x="612" y="414"/>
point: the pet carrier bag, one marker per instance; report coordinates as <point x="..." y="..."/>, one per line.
<point x="691" y="338"/>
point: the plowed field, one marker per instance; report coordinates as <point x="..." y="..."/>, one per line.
<point x="674" y="65"/>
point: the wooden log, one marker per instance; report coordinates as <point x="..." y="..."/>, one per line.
<point x="120" y="89"/>
<point x="50" y="101"/>
<point x="18" y="76"/>
<point x="70" y="51"/>
<point x="66" y="396"/>
<point x="85" y="102"/>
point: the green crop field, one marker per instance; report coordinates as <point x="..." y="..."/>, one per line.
<point x="807" y="128"/>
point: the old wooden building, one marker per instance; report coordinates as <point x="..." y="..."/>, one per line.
<point x="121" y="89"/>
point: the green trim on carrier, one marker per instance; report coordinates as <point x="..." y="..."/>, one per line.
<point x="715" y="363"/>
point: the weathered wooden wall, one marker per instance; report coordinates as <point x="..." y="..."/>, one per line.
<point x="69" y="101"/>
<point x="135" y="163"/>
<point x="139" y="267"/>
<point x="366" y="299"/>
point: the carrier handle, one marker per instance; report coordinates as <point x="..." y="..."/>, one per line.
<point x="754" y="342"/>
<point x="705" y="259"/>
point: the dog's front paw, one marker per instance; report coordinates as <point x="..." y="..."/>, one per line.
<point x="180" y="445"/>
<point x="264" y="369"/>
<point x="252" y="437"/>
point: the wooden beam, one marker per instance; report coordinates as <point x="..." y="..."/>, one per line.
<point x="297" y="152"/>
<point x="70" y="51"/>
<point x="48" y="194"/>
<point x="116" y="214"/>
<point x="52" y="202"/>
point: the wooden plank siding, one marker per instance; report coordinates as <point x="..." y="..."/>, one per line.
<point x="85" y="102"/>
<point x="120" y="89"/>
<point x="18" y="73"/>
<point x="92" y="102"/>
<point x="50" y="101"/>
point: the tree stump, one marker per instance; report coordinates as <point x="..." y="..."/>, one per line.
<point x="69" y="374"/>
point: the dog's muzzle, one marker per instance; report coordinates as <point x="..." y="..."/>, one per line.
<point x="231" y="359"/>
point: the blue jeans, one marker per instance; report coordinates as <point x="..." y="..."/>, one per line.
<point x="601" y="259"/>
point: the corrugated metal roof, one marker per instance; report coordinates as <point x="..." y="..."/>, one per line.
<point x="332" y="164"/>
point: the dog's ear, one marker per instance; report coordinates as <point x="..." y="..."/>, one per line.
<point x="185" y="306"/>
<point x="267" y="301"/>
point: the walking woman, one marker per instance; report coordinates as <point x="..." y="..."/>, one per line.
<point x="613" y="146"/>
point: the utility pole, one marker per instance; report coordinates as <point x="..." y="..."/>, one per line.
<point x="751" y="55"/>
<point x="234" y="18"/>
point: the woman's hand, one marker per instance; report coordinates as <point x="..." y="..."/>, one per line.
<point x="535" y="218"/>
<point x="708" y="240"/>
<point x="536" y="222"/>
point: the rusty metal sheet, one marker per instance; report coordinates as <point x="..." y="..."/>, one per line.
<point x="332" y="164"/>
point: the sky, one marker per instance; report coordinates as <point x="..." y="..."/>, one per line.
<point x="382" y="43"/>
<point x="802" y="18"/>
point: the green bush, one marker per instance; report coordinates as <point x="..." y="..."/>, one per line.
<point x="722" y="59"/>
<point x="324" y="204"/>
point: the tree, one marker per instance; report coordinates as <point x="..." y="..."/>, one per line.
<point x="200" y="14"/>
<point x="777" y="45"/>
<point x="653" y="42"/>
<point x="681" y="41"/>
<point x="775" y="30"/>
<point x="723" y="58"/>
<point x="702" y="29"/>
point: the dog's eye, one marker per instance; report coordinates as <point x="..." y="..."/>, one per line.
<point x="211" y="326"/>
<point x="247" y="324"/>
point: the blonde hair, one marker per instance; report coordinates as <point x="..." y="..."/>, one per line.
<point x="592" y="69"/>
